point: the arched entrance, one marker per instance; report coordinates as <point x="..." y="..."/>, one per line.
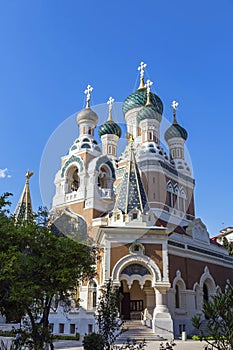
<point x="135" y="299"/>
<point x="137" y="294"/>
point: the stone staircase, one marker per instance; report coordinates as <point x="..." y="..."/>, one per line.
<point x="136" y="331"/>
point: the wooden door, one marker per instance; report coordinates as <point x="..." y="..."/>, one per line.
<point x="125" y="306"/>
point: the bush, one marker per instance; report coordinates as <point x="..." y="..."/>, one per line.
<point x="66" y="337"/>
<point x="93" y="341"/>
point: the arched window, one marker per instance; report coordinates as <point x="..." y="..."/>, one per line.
<point x="92" y="295"/>
<point x="182" y="200"/>
<point x="180" y="292"/>
<point x="104" y="177"/>
<point x="73" y="180"/>
<point x="175" y="197"/>
<point x="205" y="292"/>
<point x="169" y="194"/>
<point x="177" y="297"/>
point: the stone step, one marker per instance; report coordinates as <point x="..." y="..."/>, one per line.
<point x="137" y="331"/>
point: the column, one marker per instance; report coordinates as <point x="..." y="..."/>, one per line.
<point x="162" y="322"/>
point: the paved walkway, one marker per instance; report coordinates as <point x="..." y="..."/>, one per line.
<point x="180" y="345"/>
<point x="77" y="345"/>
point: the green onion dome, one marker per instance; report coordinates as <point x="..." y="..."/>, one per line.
<point x="148" y="112"/>
<point x="139" y="98"/>
<point x="87" y="115"/>
<point x="109" y="127"/>
<point x="175" y="130"/>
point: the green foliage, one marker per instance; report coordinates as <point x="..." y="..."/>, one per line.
<point x="93" y="341"/>
<point x="36" y="268"/>
<point x="195" y="337"/>
<point x="228" y="245"/>
<point x="108" y="321"/>
<point x="66" y="337"/>
<point x="219" y="311"/>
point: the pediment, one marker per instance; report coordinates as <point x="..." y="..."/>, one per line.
<point x="198" y="231"/>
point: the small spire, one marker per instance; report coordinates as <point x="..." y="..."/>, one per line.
<point x="141" y="69"/>
<point x="148" y="85"/>
<point x="29" y="174"/>
<point x="110" y="104"/>
<point x="87" y="92"/>
<point x="174" y="106"/>
<point x="24" y="207"/>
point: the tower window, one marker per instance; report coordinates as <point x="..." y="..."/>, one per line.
<point x="135" y="216"/>
<point x="169" y="199"/>
<point x="150" y="136"/>
<point x="177" y="297"/>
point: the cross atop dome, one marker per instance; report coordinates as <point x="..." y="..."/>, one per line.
<point x="87" y="92"/>
<point x="174" y="106"/>
<point x="110" y="104"/>
<point x="148" y="84"/>
<point x="141" y="68"/>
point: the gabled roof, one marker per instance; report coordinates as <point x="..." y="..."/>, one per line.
<point x="131" y="193"/>
<point x="23" y="211"/>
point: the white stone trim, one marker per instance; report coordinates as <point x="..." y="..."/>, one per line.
<point x="145" y="260"/>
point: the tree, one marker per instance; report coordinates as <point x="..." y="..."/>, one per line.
<point x="37" y="268"/>
<point x="219" y="312"/>
<point x="228" y="245"/>
<point x="107" y="316"/>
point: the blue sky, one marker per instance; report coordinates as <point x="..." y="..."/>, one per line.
<point x="51" y="49"/>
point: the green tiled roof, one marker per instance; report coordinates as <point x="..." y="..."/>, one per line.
<point x="109" y="127"/>
<point x="139" y="98"/>
<point x="148" y="112"/>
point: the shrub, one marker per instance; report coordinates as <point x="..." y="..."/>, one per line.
<point x="93" y="341"/>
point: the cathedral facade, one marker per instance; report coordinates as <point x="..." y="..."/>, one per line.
<point x="138" y="209"/>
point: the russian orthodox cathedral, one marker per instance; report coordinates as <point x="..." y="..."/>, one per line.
<point x="138" y="209"/>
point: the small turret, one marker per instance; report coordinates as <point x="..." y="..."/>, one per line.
<point x="87" y="119"/>
<point x="176" y="136"/>
<point x="136" y="102"/>
<point x="110" y="132"/>
<point x="149" y="119"/>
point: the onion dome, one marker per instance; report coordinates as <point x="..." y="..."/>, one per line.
<point x="87" y="115"/>
<point x="148" y="112"/>
<point x="139" y="99"/>
<point x="175" y="130"/>
<point x="109" y="127"/>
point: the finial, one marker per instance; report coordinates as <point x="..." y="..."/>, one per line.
<point x="87" y="92"/>
<point x="130" y="139"/>
<point x="174" y="106"/>
<point x="148" y="85"/>
<point x="29" y="174"/>
<point x="110" y="103"/>
<point x="141" y="69"/>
